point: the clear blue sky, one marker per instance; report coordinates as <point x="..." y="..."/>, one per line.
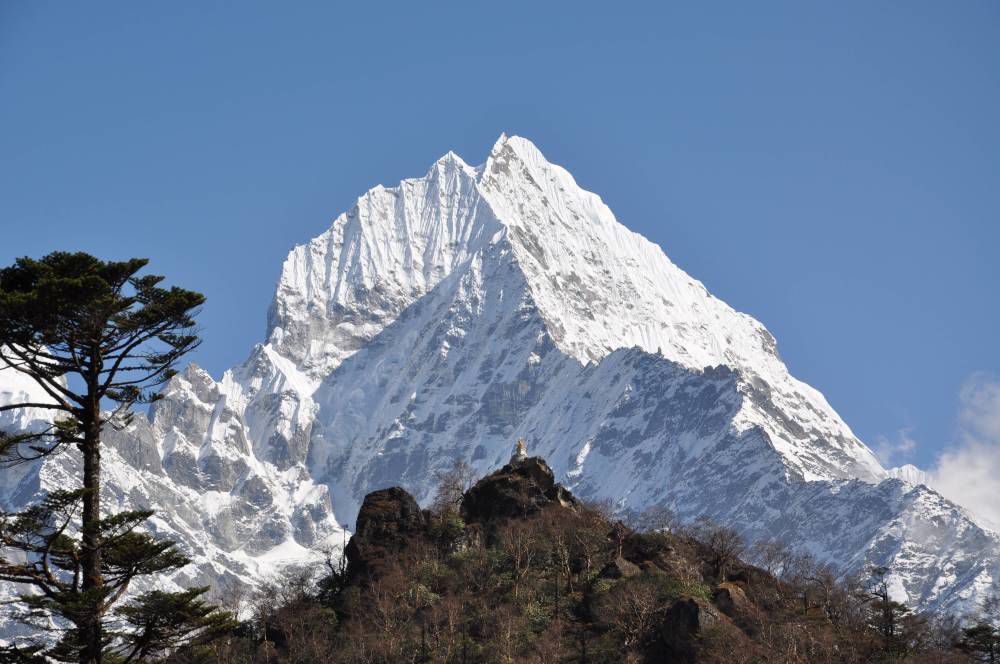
<point x="831" y="168"/>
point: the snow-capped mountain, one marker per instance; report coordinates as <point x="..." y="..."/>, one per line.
<point x="910" y="473"/>
<point x="240" y="517"/>
<point x="449" y="315"/>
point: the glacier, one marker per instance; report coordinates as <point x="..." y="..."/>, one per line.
<point x="447" y="316"/>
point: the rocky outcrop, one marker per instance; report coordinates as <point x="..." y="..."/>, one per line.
<point x="731" y="599"/>
<point x="688" y="617"/>
<point x="521" y="488"/>
<point x="684" y="622"/>
<point x="619" y="568"/>
<point x="388" y="522"/>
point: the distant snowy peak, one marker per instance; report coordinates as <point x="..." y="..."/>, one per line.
<point x="910" y="474"/>
<point x="17" y="387"/>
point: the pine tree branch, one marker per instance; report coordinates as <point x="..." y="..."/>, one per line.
<point x="30" y="404"/>
<point x="141" y="339"/>
<point x="39" y="374"/>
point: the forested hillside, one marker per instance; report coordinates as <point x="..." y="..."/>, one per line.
<point x="515" y="569"/>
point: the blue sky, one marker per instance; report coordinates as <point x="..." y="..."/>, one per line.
<point x="832" y="169"/>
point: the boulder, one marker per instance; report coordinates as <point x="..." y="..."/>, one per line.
<point x="731" y="599"/>
<point x="686" y="620"/>
<point x="688" y="617"/>
<point x="619" y="568"/>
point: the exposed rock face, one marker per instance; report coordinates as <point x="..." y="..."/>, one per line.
<point x="690" y="616"/>
<point x="731" y="599"/>
<point x="683" y="623"/>
<point x="521" y="488"/>
<point x="619" y="568"/>
<point x="646" y="552"/>
<point x="389" y="520"/>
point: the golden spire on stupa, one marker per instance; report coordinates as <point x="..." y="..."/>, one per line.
<point x="520" y="452"/>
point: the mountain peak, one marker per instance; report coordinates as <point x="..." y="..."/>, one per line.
<point x="531" y="164"/>
<point x="450" y="160"/>
<point x="438" y="319"/>
<point x="598" y="286"/>
<point x="522" y="146"/>
<point x="909" y="473"/>
<point x="499" y="143"/>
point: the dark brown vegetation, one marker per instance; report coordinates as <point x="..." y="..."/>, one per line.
<point x="515" y="569"/>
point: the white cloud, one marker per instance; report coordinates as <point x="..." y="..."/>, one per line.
<point x="892" y="451"/>
<point x="969" y="472"/>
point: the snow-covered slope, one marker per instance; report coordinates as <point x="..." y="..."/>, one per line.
<point x="453" y="313"/>
<point x="239" y="517"/>
<point x="910" y="473"/>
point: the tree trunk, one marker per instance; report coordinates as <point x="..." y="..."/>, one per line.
<point x="93" y="580"/>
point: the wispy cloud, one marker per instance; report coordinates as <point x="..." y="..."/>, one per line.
<point x="969" y="472"/>
<point x="895" y="450"/>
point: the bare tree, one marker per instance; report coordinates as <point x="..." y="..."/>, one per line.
<point x="725" y="545"/>
<point x="452" y="483"/>
<point x="657" y="519"/>
<point x="633" y="611"/>
<point x="603" y="508"/>
<point x="520" y="543"/>
<point x="772" y="556"/>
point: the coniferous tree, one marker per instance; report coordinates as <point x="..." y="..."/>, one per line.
<point x="886" y="615"/>
<point x="982" y="639"/>
<point x="97" y="339"/>
<point x="982" y="636"/>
